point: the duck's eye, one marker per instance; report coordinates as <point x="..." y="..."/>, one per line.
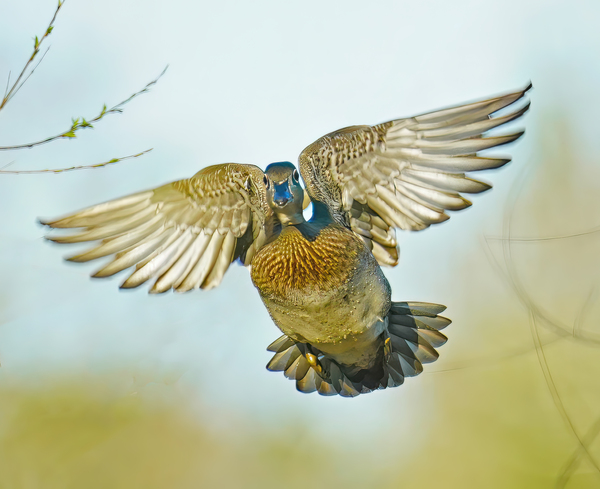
<point x="295" y="176"/>
<point x="266" y="181"/>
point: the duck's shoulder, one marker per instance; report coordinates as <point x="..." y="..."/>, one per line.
<point x="308" y="255"/>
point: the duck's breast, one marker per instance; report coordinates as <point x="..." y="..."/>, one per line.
<point x="325" y="289"/>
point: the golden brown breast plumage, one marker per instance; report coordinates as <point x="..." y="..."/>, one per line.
<point x="295" y="262"/>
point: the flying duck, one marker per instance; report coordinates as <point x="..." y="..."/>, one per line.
<point x="320" y="279"/>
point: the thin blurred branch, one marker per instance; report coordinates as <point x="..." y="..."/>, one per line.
<point x="561" y="330"/>
<point x="594" y="430"/>
<point x="81" y="167"/>
<point x="8" y="164"/>
<point x="485" y="361"/>
<point x="535" y="314"/>
<point x="546" y="238"/>
<point x="575" y="458"/>
<point x="583" y="448"/>
<point x="513" y="280"/>
<point x="579" y="320"/>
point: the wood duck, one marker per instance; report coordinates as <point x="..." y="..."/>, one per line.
<point x="320" y="279"/>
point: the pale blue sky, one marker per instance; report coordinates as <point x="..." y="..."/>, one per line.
<point x="254" y="82"/>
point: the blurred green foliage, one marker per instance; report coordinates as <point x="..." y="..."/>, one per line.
<point x="85" y="434"/>
<point x="492" y="427"/>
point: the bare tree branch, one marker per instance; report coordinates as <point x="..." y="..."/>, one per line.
<point x="82" y="123"/>
<point x="82" y="167"/>
<point x="9" y="94"/>
<point x="76" y="124"/>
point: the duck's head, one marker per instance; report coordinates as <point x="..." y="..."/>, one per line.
<point x="284" y="193"/>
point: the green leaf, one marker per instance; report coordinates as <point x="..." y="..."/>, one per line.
<point x="70" y="134"/>
<point x="49" y="29"/>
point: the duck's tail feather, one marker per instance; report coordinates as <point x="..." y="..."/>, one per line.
<point x="413" y="333"/>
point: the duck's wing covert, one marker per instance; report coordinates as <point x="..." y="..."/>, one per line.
<point x="185" y="233"/>
<point x="406" y="173"/>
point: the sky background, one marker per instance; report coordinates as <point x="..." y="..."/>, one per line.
<point x="256" y="82"/>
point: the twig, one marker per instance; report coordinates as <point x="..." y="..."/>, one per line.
<point x="8" y="164"/>
<point x="579" y="320"/>
<point x="546" y="238"/>
<point x="31" y="72"/>
<point x="82" y="167"/>
<point x="82" y="123"/>
<point x="7" y="84"/>
<point x="583" y="448"/>
<point x="575" y="459"/>
<point x="486" y="361"/>
<point x="557" y="327"/>
<point x="36" y="49"/>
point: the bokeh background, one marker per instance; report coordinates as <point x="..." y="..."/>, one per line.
<point x="101" y="388"/>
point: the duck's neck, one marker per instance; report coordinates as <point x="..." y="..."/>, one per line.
<point x="321" y="213"/>
<point x="312" y="228"/>
<point x="291" y="219"/>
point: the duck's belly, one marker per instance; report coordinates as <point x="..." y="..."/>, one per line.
<point x="329" y="292"/>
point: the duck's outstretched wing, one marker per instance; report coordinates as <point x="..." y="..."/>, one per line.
<point x="185" y="233"/>
<point x="406" y="173"/>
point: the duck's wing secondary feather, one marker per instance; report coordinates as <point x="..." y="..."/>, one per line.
<point x="185" y="234"/>
<point x="406" y="173"/>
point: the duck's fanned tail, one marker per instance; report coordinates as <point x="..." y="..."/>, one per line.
<point x="410" y="340"/>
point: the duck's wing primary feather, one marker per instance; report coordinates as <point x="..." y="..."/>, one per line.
<point x="406" y="173"/>
<point x="185" y="234"/>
